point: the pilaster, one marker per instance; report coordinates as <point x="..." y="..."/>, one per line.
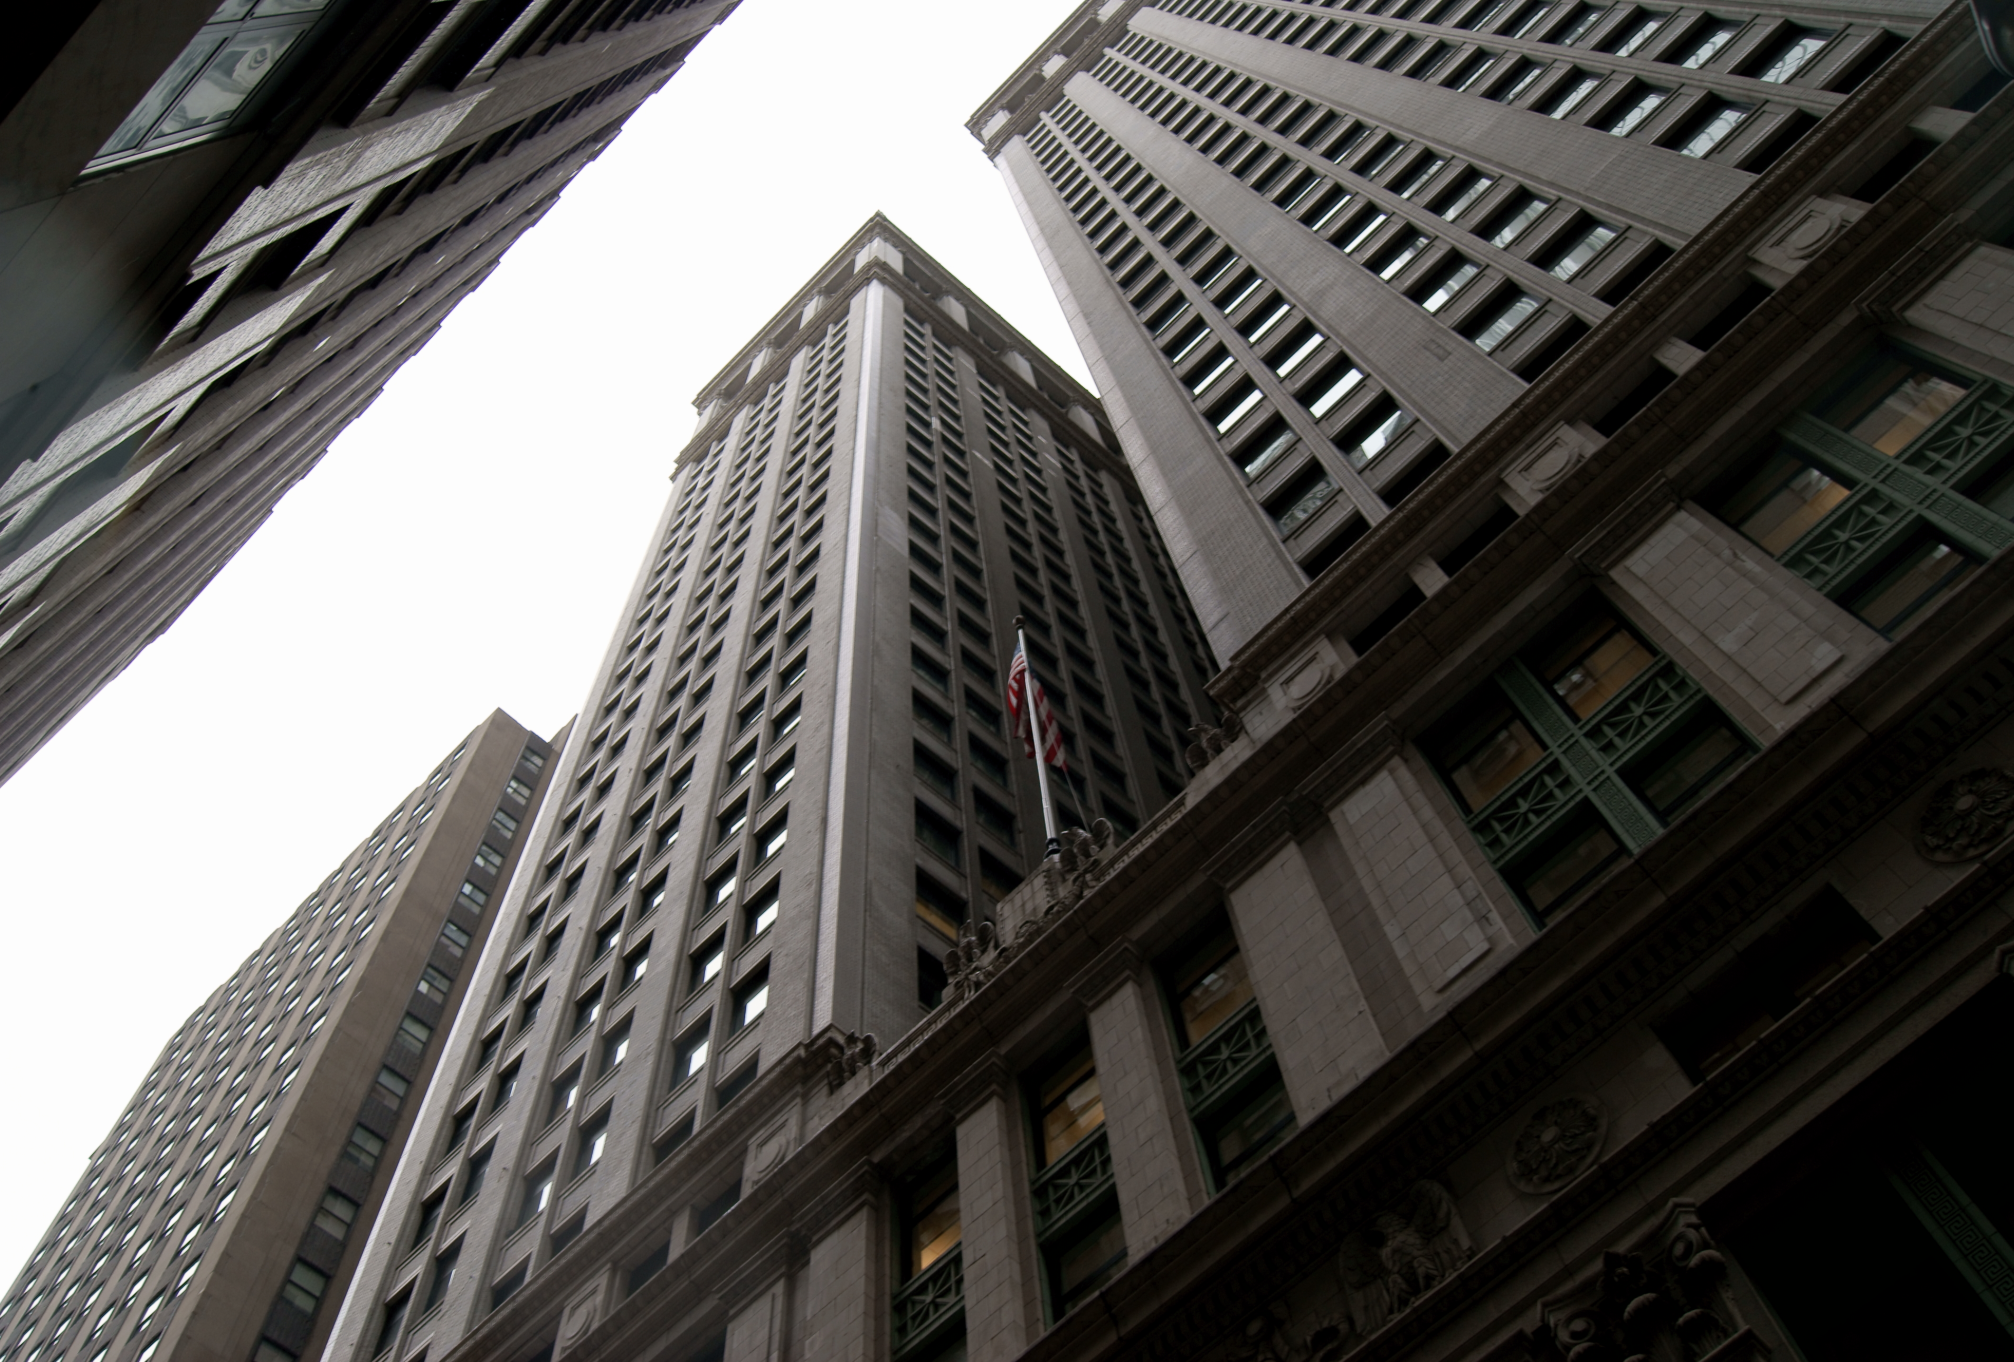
<point x="1001" y="1299"/>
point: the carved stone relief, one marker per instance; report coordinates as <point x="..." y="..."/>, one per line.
<point x="1967" y="816"/>
<point x="1545" y="467"/>
<point x="1210" y="742"/>
<point x="1664" y="1298"/>
<point x="1305" y="677"/>
<point x="1383" y="1268"/>
<point x="1806" y="232"/>
<point x="1559" y="1142"/>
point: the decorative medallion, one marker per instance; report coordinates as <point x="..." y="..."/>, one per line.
<point x="1560" y="1141"/>
<point x="1967" y="816"/>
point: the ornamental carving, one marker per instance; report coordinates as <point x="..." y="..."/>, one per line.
<point x="1210" y="742"/>
<point x="1383" y="1269"/>
<point x="1559" y="1143"/>
<point x="1665" y="1297"/>
<point x="844" y="1055"/>
<point x="1967" y="816"/>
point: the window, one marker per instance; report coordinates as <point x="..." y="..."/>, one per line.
<point x="1711" y="124"/>
<point x="1582" y="245"/>
<point x="1519" y="212"/>
<point x="939" y="907"/>
<point x="363" y="1149"/>
<point x="758" y="915"/>
<point x="593" y="1140"/>
<point x="772" y="837"/>
<point x="1571" y="94"/>
<point x="1792" y="51"/>
<point x="430" y="1216"/>
<point x="537" y="1193"/>
<point x="213" y="80"/>
<point x="458" y="1129"/>
<point x="1498" y="322"/>
<point x="1887" y="447"/>
<point x="507" y="1285"/>
<point x="615" y="1046"/>
<point x="931" y="1226"/>
<point x="751" y="999"/>
<point x="491" y="1043"/>
<point x="1635" y="110"/>
<point x="434" y="984"/>
<point x="937" y="834"/>
<point x="390" y="1088"/>
<point x="777" y="779"/>
<point x="586" y="1010"/>
<point x="667" y="837"/>
<point x="707" y="962"/>
<point x="336" y="1214"/>
<point x="413" y="1029"/>
<point x="605" y="937"/>
<point x="444" y="1276"/>
<point x="690" y="1056"/>
<point x="938" y="775"/>
<point x="1591" y="692"/>
<point x="529" y="1014"/>
<point x="394" y="1320"/>
<point x="1243" y="1111"/>
<point x="1706" y="42"/>
<point x="1084" y="1262"/>
<point x="786" y="719"/>
<point x="1068" y="1104"/>
<point x="472" y="1178"/>
<point x="720" y="888"/>
<point x="506" y="1086"/>
<point x="634" y="965"/>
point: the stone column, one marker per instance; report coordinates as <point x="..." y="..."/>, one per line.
<point x="1002" y="1301"/>
<point x="1154" y="1159"/>
<point x="757" y="1330"/>
<point x="844" y="1309"/>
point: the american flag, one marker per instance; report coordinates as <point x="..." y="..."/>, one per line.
<point x="1018" y="675"/>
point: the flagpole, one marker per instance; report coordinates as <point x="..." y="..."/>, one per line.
<point x="1055" y="847"/>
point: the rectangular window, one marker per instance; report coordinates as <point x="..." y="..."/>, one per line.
<point x="931" y="1226"/>
<point x="1521" y="754"/>
<point x="759" y="914"/>
<point x="536" y="1197"/>
<point x="472" y="1178"/>
<point x="336" y="1214"/>
<point x="615" y="1046"/>
<point x="586" y="1010"/>
<point x="937" y="834"/>
<point x="721" y="887"/>
<point x="1880" y="493"/>
<point x="1069" y="1104"/>
<point x="941" y="908"/>
<point x="690" y="1056"/>
<point x="751" y="999"/>
<point x="393" y="1321"/>
<point x="444" y="1276"/>
<point x="707" y="962"/>
<point x="593" y="1140"/>
<point x="1235" y="1094"/>
<point x="634" y="965"/>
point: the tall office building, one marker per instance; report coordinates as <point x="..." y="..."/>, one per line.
<point x="794" y="788"/>
<point x="226" y="227"/>
<point x="1579" y="939"/>
<point x="223" y="1215"/>
<point x="1312" y="249"/>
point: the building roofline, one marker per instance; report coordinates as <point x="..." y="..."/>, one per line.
<point x="842" y="275"/>
<point x="1036" y="81"/>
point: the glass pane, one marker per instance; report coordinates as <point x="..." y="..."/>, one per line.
<point x="1915" y="577"/>
<point x="1251" y="1131"/>
<point x="937" y="1229"/>
<point x="271" y="7"/>
<point x="1072" y="1107"/>
<point x="1381" y="438"/>
<point x="1710" y="134"/>
<point x="1557" y="874"/>
<point x="1210" y="992"/>
<point x="1783" y="500"/>
<point x="1582" y="251"/>
<point x="1503" y="756"/>
<point x="1505" y="322"/>
<point x="1681" y="770"/>
<point x="1890" y="400"/>
<point x="1593" y="662"/>
<point x="141" y="121"/>
<point x="1092" y="1261"/>
<point x="229" y="80"/>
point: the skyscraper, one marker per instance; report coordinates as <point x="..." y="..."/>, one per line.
<point x="225" y="238"/>
<point x="793" y="790"/>
<point x="1581" y="932"/>
<point x="1310" y="250"/>
<point x="223" y="1214"/>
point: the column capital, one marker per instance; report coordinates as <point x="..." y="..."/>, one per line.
<point x="990" y="1074"/>
<point x="1117" y="964"/>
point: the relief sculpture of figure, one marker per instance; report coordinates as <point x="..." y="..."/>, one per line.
<point x="1404" y="1253"/>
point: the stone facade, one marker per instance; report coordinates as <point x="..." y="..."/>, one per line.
<point x="302" y="1073"/>
<point x="252" y="285"/>
<point x="1580" y="932"/>
<point x="794" y="793"/>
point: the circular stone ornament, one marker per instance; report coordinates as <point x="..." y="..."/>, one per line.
<point x="1967" y="816"/>
<point x="1560" y="1141"/>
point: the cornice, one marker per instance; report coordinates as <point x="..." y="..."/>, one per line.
<point x="1117" y="965"/>
<point x="1118" y="14"/>
<point x="1081" y="443"/>
<point x="1624" y="333"/>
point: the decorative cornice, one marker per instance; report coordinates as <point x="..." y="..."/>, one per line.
<point x="989" y="1076"/>
<point x="782" y="1253"/>
<point x="1118" y="14"/>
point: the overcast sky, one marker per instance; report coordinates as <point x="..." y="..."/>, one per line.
<point x="468" y="543"/>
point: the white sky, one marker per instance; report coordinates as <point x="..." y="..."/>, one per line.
<point x="468" y="543"/>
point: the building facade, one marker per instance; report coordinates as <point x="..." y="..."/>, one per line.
<point x="221" y="240"/>
<point x="1310" y="250"/>
<point x="795" y="789"/>
<point x="224" y="1213"/>
<point x="1597" y="959"/>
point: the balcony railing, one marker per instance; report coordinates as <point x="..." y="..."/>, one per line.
<point x="929" y="1303"/>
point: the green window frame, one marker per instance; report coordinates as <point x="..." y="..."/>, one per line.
<point x="1077" y="1225"/>
<point x="1887" y="490"/>
<point x="1231" y="1083"/>
<point x="1578" y="752"/>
